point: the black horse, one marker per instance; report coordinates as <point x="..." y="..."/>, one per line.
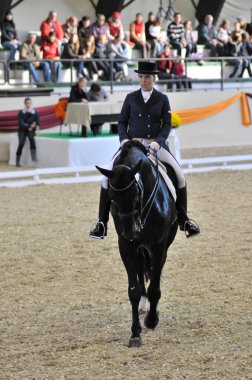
<point x="145" y="219"/>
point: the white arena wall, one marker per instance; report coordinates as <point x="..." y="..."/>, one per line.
<point x="222" y="129"/>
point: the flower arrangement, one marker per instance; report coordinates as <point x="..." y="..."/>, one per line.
<point x="175" y="120"/>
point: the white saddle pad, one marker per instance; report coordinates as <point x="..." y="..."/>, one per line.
<point x="163" y="172"/>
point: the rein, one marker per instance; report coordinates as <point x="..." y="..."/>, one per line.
<point x="147" y="207"/>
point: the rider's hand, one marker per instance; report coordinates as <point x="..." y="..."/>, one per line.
<point x="154" y="146"/>
<point x="123" y="142"/>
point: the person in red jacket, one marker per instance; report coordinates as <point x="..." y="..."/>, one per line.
<point x="137" y="35"/>
<point x="50" y="51"/>
<point x="51" y="24"/>
<point x="165" y="67"/>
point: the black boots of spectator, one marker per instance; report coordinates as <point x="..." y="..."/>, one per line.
<point x="99" y="229"/>
<point x="187" y="225"/>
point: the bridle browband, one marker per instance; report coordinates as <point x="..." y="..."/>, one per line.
<point x="150" y="201"/>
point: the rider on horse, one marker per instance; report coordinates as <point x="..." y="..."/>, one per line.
<point x="146" y="117"/>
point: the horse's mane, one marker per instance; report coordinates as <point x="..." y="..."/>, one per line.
<point x="129" y="145"/>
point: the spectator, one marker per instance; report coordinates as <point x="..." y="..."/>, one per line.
<point x="115" y="27"/>
<point x="70" y="28"/>
<point x="246" y="51"/>
<point x="51" y="51"/>
<point x="84" y="29"/>
<point x="51" y="24"/>
<point x="119" y="49"/>
<point x="233" y="50"/>
<point x="207" y="36"/>
<point x="31" y="51"/>
<point x="176" y="34"/>
<point x="191" y="46"/>
<point x="96" y="93"/>
<point x="155" y="33"/>
<point x="181" y="78"/>
<point x="243" y="25"/>
<point x="224" y="35"/>
<point x="87" y="51"/>
<point x="137" y="35"/>
<point x="78" y="94"/>
<point x="9" y="35"/>
<point x="101" y="52"/>
<point x="28" y="121"/>
<point x="165" y="67"/>
<point x="71" y="51"/>
<point x="99" y="27"/>
<point x="149" y="38"/>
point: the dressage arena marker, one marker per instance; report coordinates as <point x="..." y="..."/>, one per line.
<point x="89" y="173"/>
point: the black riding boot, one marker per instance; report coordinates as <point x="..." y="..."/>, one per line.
<point x="185" y="224"/>
<point x="18" y="160"/>
<point x="33" y="155"/>
<point x="99" y="230"/>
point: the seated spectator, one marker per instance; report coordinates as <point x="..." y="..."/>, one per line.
<point x="99" y="27"/>
<point x="233" y="50"/>
<point x="115" y="27"/>
<point x="84" y="29"/>
<point x="181" y="78"/>
<point x="243" y="25"/>
<point x="72" y="51"/>
<point x="50" y="50"/>
<point x="69" y="28"/>
<point x="28" y="121"/>
<point x="9" y="35"/>
<point x="155" y="33"/>
<point x="149" y="38"/>
<point x="246" y="51"/>
<point x="176" y="34"/>
<point x="137" y="36"/>
<point x="224" y="35"/>
<point x="165" y="67"/>
<point x="207" y="36"/>
<point x="119" y="49"/>
<point x="31" y="51"/>
<point x="191" y="46"/>
<point x="87" y="50"/>
<point x="78" y="94"/>
<point x="96" y="93"/>
<point x="51" y="24"/>
<point x="101" y="52"/>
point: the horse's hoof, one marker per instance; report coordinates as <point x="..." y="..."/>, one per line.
<point x="151" y="323"/>
<point x="135" y="342"/>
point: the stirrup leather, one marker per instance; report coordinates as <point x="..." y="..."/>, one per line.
<point x="195" y="225"/>
<point x="98" y="230"/>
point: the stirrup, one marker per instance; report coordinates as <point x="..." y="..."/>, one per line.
<point x="193" y="222"/>
<point x="98" y="234"/>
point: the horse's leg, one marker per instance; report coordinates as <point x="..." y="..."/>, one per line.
<point x="154" y="292"/>
<point x="144" y="303"/>
<point x="128" y="255"/>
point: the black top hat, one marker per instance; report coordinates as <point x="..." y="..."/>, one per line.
<point x="147" y="68"/>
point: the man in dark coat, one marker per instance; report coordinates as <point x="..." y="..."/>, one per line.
<point x="28" y="121"/>
<point x="146" y="117"/>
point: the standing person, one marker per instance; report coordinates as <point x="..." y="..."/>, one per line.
<point x="146" y="116"/>
<point x="51" y="51"/>
<point x="9" y="35"/>
<point x="137" y="35"/>
<point x="31" y="51"/>
<point x="28" y="121"/>
<point x="176" y="34"/>
<point x="207" y="36"/>
<point x="51" y="24"/>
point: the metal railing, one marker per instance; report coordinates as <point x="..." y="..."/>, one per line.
<point x="22" y="65"/>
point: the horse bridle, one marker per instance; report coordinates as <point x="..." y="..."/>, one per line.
<point x="147" y="207"/>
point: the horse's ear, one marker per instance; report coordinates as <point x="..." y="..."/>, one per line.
<point x="136" y="168"/>
<point x="107" y="173"/>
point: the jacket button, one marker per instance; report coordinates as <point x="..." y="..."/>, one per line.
<point x="148" y="115"/>
<point x="148" y="126"/>
<point x="148" y="136"/>
<point x="140" y="115"/>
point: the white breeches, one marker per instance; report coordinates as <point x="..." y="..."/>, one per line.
<point x="163" y="155"/>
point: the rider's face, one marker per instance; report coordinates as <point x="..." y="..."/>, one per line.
<point x="146" y="81"/>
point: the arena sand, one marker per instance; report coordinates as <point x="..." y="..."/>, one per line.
<point x="65" y="312"/>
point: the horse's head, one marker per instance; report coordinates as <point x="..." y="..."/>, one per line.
<point x="126" y="194"/>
